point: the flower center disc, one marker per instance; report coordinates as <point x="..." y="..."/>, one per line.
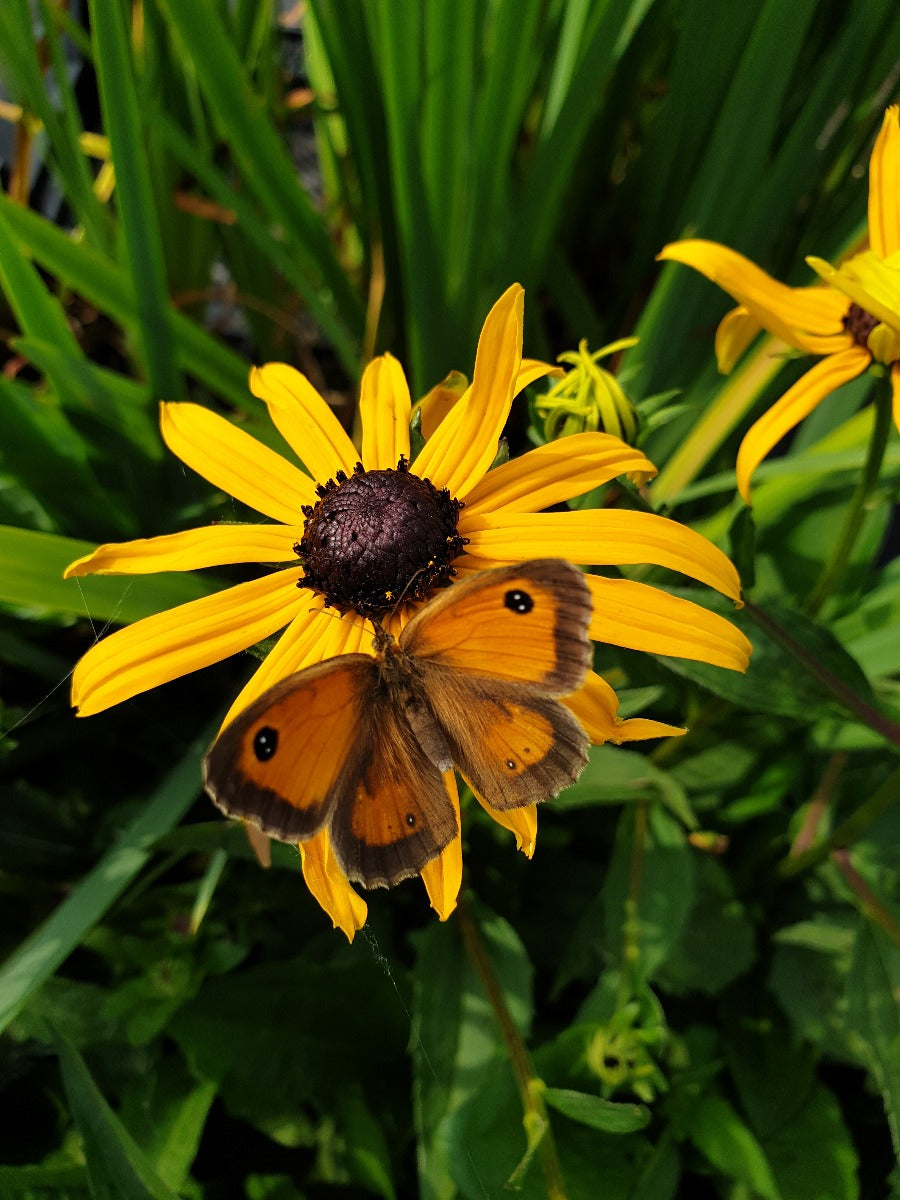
<point x="377" y="537"/>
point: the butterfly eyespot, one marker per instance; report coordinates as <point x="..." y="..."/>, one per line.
<point x="511" y="764"/>
<point x="410" y="820"/>
<point x="518" y="601"/>
<point x="265" y="743"/>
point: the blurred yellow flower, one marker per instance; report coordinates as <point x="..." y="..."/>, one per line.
<point x="852" y="322"/>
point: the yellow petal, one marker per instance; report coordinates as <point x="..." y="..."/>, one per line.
<point x="895" y="393"/>
<point x="385" y="407"/>
<point x="330" y="887"/>
<point x="870" y="281"/>
<point x="443" y="875"/>
<point x="465" y="443"/>
<point x="884" y="186"/>
<point x="607" y="537"/>
<point x="522" y="822"/>
<point x="183" y="639"/>
<point x="313" y="635"/>
<point x="260" y="843"/>
<point x="437" y="403"/>
<point x="641" y="617"/>
<point x="304" y="420"/>
<point x="236" y="462"/>
<point x="532" y="369"/>
<point x="553" y="473"/>
<point x="807" y="318"/>
<point x="596" y="706"/>
<point x="796" y="403"/>
<point x="735" y="332"/>
<point x="191" y="550"/>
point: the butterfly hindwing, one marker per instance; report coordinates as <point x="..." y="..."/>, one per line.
<point x="277" y="763"/>
<point x="512" y="745"/>
<point x="391" y="813"/>
<point x="525" y="623"/>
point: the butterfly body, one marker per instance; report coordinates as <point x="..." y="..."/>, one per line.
<point x="361" y="744"/>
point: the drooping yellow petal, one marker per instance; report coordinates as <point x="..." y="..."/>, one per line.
<point x="796" y="403"/>
<point x="735" y="332"/>
<point x="895" y="393"/>
<point x="304" y="420"/>
<point x="465" y="443"/>
<point x="385" y="406"/>
<point x="553" y="473"/>
<point x="532" y="369"/>
<point x="870" y="281"/>
<point x="183" y="639"/>
<point x="884" y="186"/>
<point x="260" y="843"/>
<point x="315" y="633"/>
<point x="236" y="462"/>
<point x="522" y="822"/>
<point x="807" y="318"/>
<point x="596" y="707"/>
<point x="640" y="617"/>
<point x="603" y="537"/>
<point x="443" y="875"/>
<point x="192" y="550"/>
<point x="330" y="886"/>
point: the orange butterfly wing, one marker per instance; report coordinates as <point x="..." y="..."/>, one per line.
<point x="277" y="763"/>
<point x="493" y="653"/>
<point x="393" y="813"/>
<point x="525" y="623"/>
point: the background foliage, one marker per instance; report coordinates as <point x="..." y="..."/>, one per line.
<point x="691" y="990"/>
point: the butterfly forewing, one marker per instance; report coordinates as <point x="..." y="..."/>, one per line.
<point x="277" y="764"/>
<point x="526" y="623"/>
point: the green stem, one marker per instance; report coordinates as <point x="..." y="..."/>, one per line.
<point x="869" y="902"/>
<point x="848" y="831"/>
<point x="859" y="504"/>
<point x="843" y="693"/>
<point x="530" y="1086"/>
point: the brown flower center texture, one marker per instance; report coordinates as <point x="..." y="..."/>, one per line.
<point x="376" y="537"/>
<point x="859" y="324"/>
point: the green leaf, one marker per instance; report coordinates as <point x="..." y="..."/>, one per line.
<point x="134" y="194"/>
<point x="597" y="1113"/>
<point x="723" y="1137"/>
<point x="775" y="682"/>
<point x="457" y="1044"/>
<point x="52" y="942"/>
<point x="34" y="1182"/>
<point x="873" y="1018"/>
<point x="31" y="576"/>
<point x="268" y="172"/>
<point x="117" y="1166"/>
<point x="103" y="282"/>
<point x="298" y="1049"/>
<point x="616" y="776"/>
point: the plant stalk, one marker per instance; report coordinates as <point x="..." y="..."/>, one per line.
<point x="834" y="568"/>
<point x="530" y="1087"/>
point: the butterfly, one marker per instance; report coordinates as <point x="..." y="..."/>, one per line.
<point x="358" y="744"/>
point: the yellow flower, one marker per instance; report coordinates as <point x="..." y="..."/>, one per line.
<point x="852" y="322"/>
<point x="475" y="518"/>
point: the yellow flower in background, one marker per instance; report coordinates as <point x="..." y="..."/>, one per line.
<point x="852" y="322"/>
<point x="367" y="529"/>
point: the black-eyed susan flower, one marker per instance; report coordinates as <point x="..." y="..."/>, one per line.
<point x="370" y="534"/>
<point x="852" y="322"/>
